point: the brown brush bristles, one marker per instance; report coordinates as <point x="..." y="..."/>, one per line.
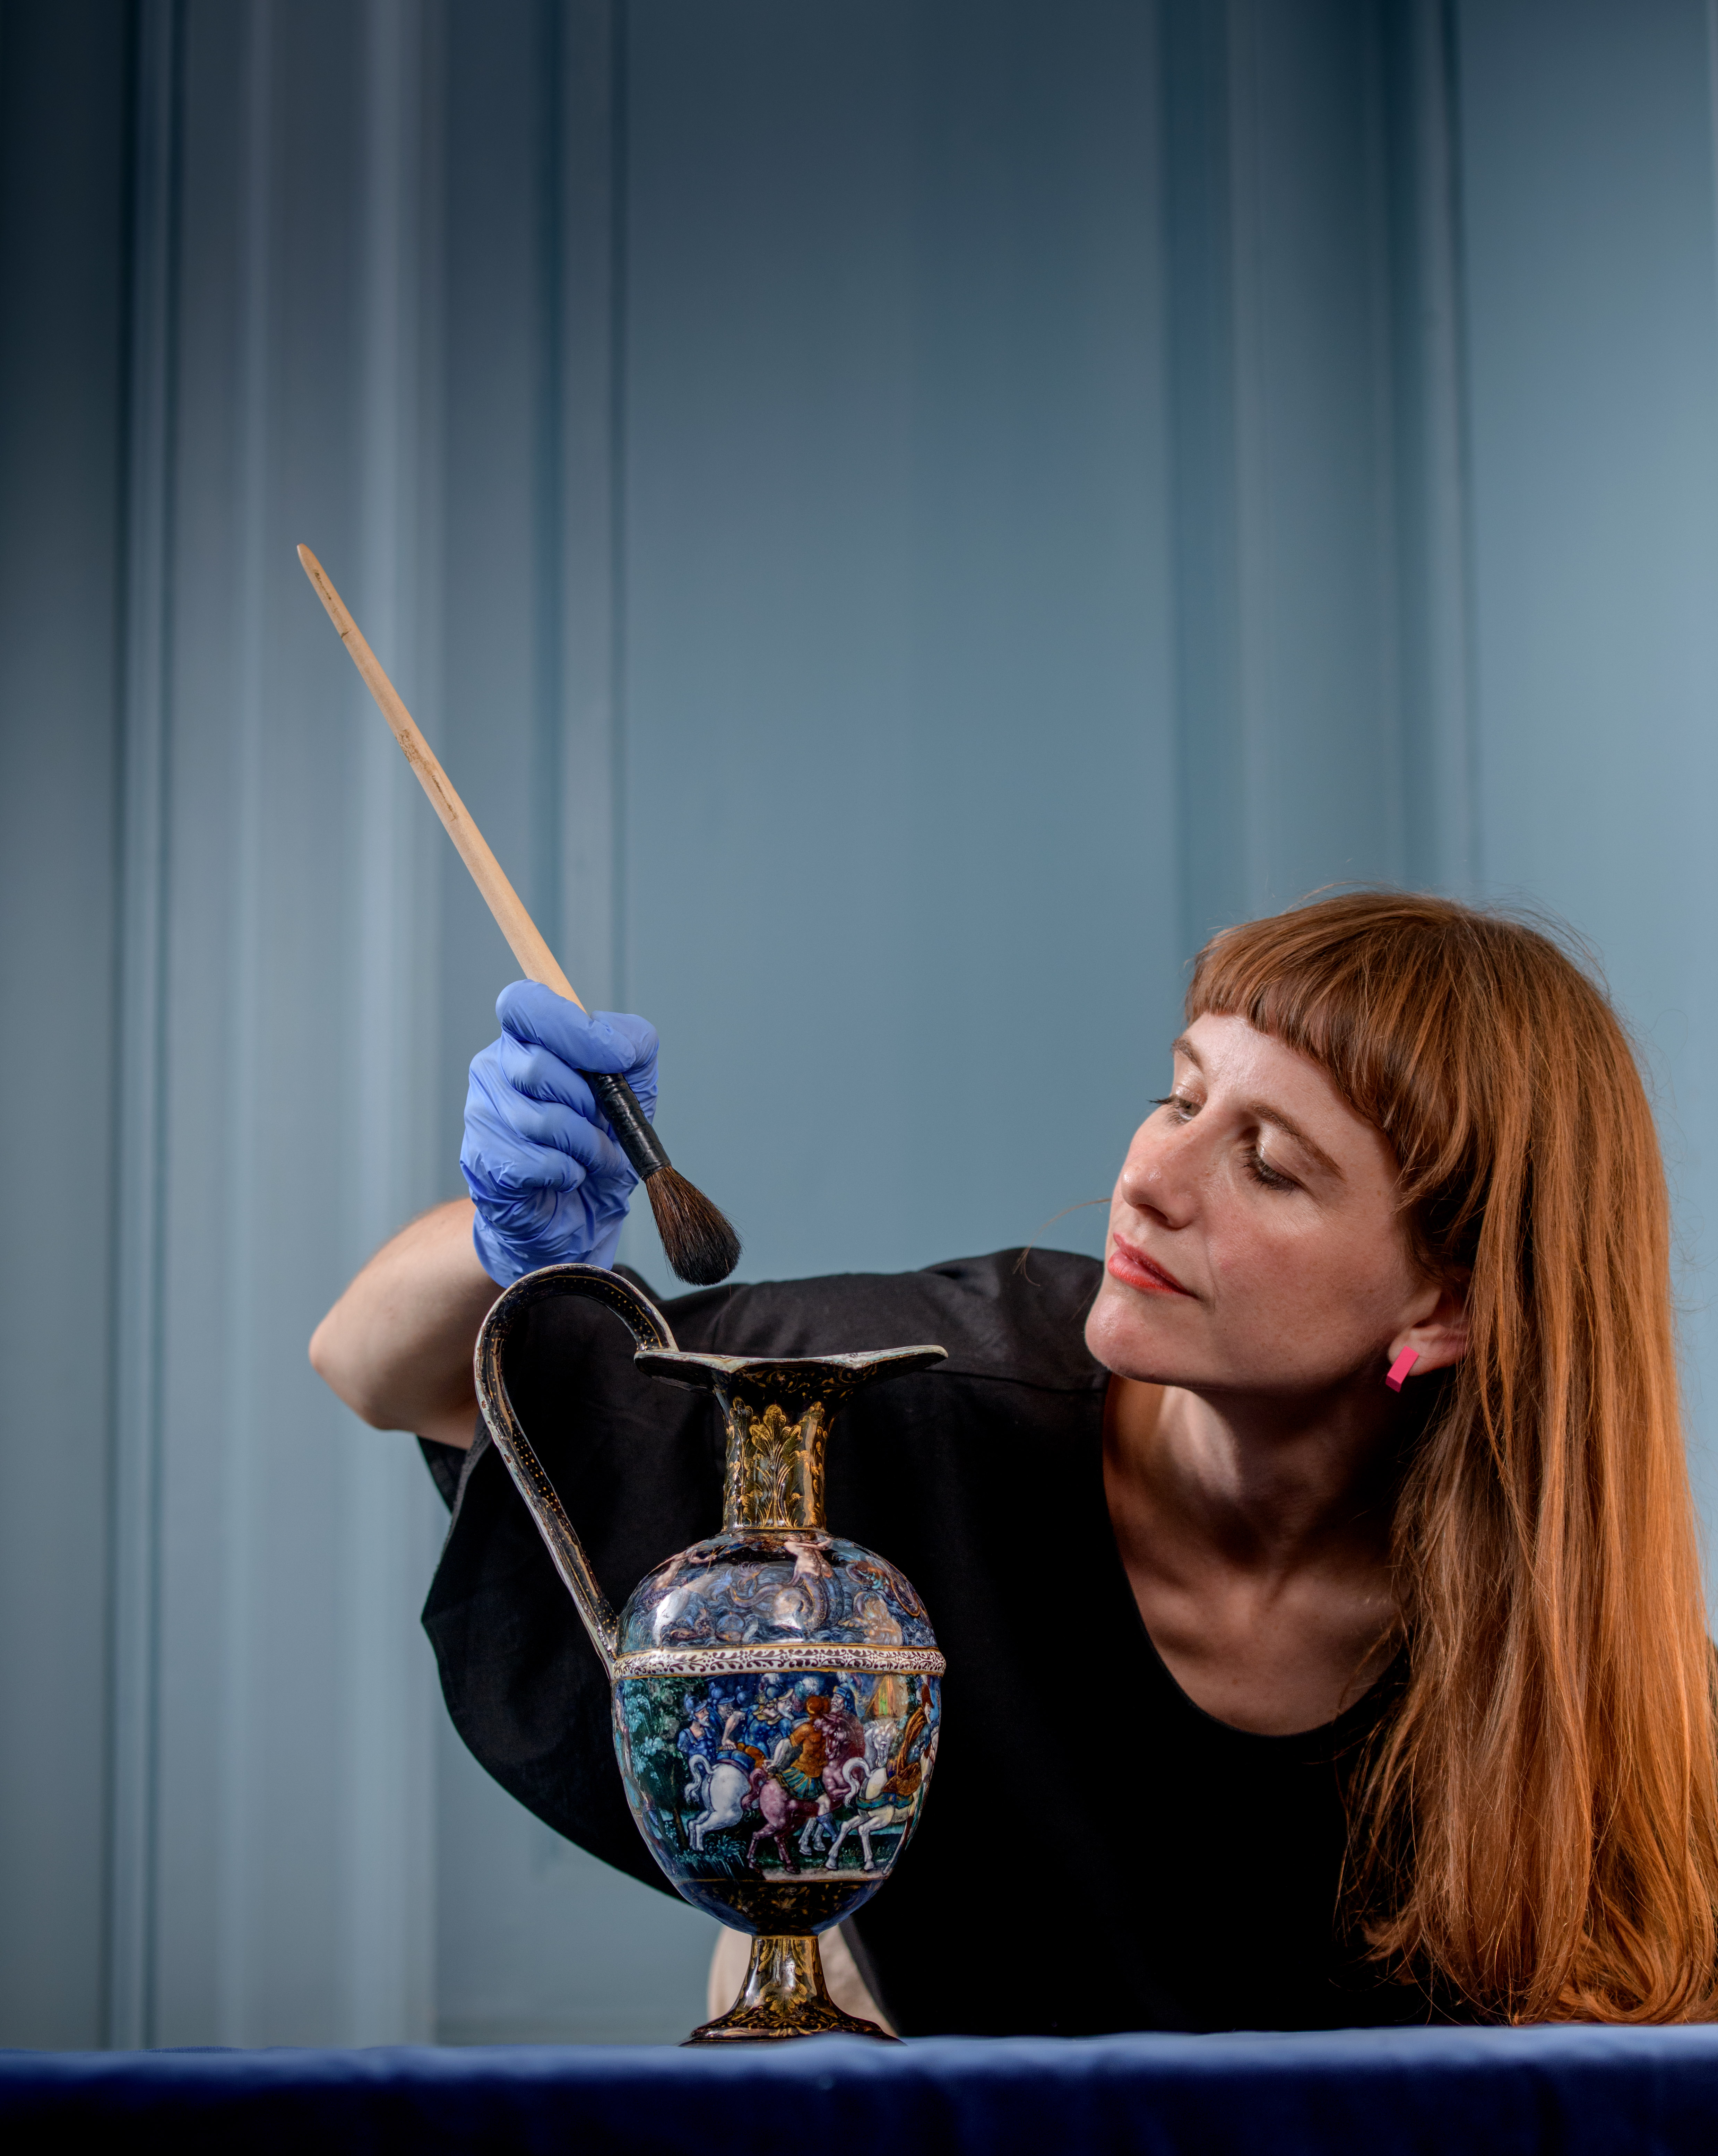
<point x="697" y="1241"/>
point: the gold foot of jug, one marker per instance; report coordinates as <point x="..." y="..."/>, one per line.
<point x="784" y="1995"/>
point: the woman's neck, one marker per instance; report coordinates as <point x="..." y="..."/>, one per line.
<point x="1256" y="1543"/>
<point x="1270" y="1488"/>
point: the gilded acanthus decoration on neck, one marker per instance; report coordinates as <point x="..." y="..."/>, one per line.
<point x="774" y="1466"/>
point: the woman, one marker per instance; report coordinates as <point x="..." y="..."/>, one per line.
<point x="1324" y="1627"/>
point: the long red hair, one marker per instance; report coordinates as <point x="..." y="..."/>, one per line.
<point x="1536" y="1825"/>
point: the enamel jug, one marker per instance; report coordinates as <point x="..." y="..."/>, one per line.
<point x="776" y="1690"/>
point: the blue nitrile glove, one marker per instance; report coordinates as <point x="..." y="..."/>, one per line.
<point x="550" y="1184"/>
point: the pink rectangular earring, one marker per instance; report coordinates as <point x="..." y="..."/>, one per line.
<point x="1401" y="1367"/>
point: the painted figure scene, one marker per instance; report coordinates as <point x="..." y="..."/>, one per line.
<point x="778" y="1777"/>
<point x="739" y="1589"/>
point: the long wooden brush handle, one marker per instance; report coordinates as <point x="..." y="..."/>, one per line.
<point x="697" y="1242"/>
<point x="632" y="1128"/>
<point x="535" y="958"/>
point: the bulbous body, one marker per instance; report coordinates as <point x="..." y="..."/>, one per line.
<point x="775" y="1753"/>
<point x="776" y="1691"/>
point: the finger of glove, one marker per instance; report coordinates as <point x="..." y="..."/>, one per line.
<point x="642" y="1076"/>
<point x="502" y="1171"/>
<point x="584" y="1041"/>
<point x="534" y="1224"/>
<point x="545" y="1230"/>
<point x="529" y="1095"/>
<point x="566" y="1130"/>
<point x="541" y="1075"/>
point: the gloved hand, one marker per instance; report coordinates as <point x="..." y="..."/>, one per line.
<point x="550" y="1184"/>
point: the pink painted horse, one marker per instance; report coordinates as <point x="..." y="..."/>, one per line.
<point x="781" y="1813"/>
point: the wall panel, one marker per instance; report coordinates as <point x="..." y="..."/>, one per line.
<point x="1587" y="179"/>
<point x="535" y="1941"/>
<point x="1285" y="137"/>
<point x="899" y="677"/>
<point x="271" y="1856"/>
<point x="63" y="79"/>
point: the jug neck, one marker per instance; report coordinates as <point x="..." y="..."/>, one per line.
<point x="774" y="1477"/>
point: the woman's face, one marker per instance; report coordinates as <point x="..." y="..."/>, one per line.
<point x="1254" y="1244"/>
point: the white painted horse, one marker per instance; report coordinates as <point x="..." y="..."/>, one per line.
<point x="721" y="1790"/>
<point x="871" y="1817"/>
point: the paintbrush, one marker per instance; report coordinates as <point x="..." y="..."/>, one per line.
<point x="696" y="1240"/>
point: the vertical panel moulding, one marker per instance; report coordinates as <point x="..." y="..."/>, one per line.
<point x="1213" y="745"/>
<point x="1254" y="597"/>
<point x="589" y="224"/>
<point x="619" y="361"/>
<point x="1709" y="1505"/>
<point x="388" y="1788"/>
<point x="1697" y="1351"/>
<point x="1389" y="847"/>
<point x="547" y="135"/>
<point x="134" y="1537"/>
<point x="1712" y="110"/>
<point x="241" y="1933"/>
<point x="1441" y="756"/>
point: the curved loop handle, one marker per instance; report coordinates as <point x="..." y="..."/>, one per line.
<point x="650" y="1330"/>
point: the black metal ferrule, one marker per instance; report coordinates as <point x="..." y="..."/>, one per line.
<point x="626" y="1119"/>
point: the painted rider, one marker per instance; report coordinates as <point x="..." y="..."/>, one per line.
<point x="801" y="1773"/>
<point x="697" y="1738"/>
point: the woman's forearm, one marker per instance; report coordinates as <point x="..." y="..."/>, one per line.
<point x="397" y="1347"/>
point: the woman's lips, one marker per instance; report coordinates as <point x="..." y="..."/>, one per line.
<point x="1134" y="1269"/>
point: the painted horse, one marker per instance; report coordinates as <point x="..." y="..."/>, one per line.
<point x="781" y="1813"/>
<point x="720" y="1792"/>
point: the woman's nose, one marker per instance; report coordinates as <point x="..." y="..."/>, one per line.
<point x="1158" y="1175"/>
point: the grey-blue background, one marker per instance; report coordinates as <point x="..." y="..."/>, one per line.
<point x="899" y="516"/>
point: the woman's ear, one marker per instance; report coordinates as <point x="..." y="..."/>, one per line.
<point x="1440" y="1339"/>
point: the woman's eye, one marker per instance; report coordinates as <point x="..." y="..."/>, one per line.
<point x="1262" y="1172"/>
<point x="1183" y="1107"/>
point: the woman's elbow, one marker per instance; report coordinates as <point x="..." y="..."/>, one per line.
<point x="344" y="1374"/>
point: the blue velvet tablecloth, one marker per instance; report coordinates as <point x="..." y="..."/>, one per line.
<point x="1381" y="2092"/>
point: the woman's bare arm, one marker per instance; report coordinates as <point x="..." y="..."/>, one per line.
<point x="398" y="1345"/>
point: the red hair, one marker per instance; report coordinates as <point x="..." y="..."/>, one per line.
<point x="1536" y="1824"/>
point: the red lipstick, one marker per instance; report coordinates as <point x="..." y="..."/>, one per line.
<point x="1134" y="1269"/>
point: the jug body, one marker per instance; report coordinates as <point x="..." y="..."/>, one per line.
<point x="777" y="1711"/>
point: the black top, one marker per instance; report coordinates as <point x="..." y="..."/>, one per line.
<point x="1096" y="1852"/>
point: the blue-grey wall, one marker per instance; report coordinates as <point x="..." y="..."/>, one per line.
<point x="899" y="518"/>
<point x="64" y="103"/>
<point x="1593" y="355"/>
<point x="898" y="788"/>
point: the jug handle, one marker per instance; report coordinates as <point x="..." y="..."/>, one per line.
<point x="649" y="1329"/>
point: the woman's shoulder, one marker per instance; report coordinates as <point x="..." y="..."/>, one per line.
<point x="1015" y="1315"/>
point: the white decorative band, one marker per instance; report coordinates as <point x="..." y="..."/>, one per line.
<point x="742" y="1661"/>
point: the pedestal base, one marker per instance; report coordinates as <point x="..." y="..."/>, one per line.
<point x="784" y="1995"/>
